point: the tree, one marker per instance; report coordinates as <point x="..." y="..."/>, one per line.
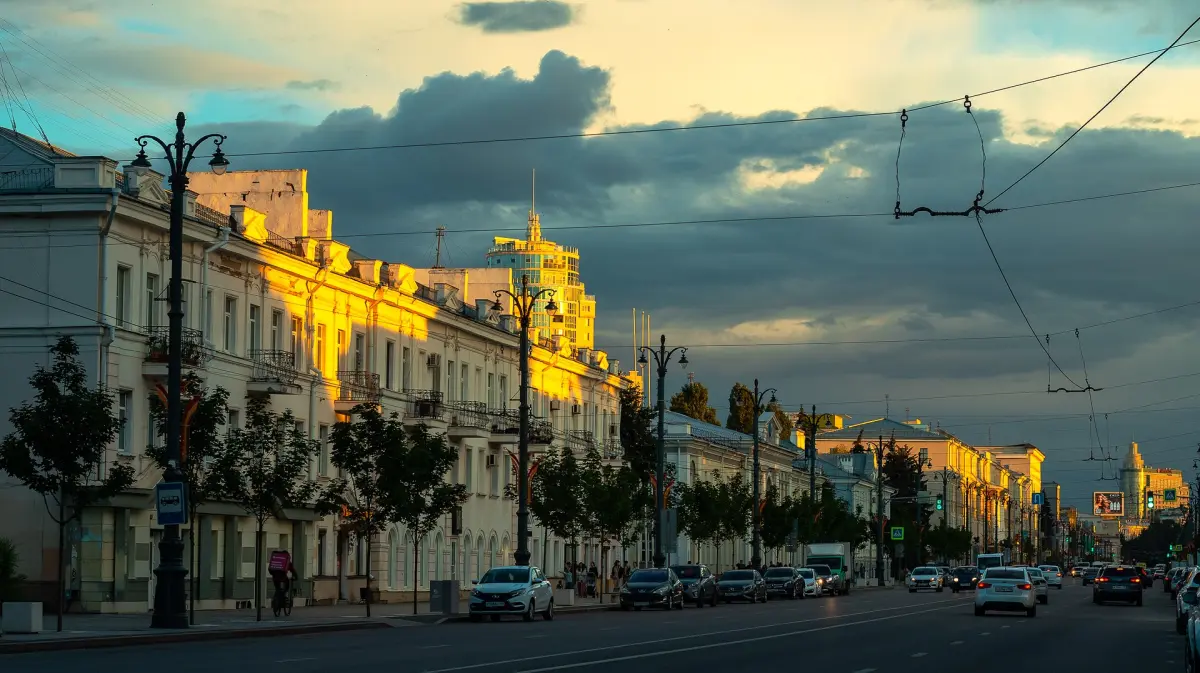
<point x="558" y="501"/>
<point x="741" y="410"/>
<point x="611" y="503"/>
<point x="736" y="501"/>
<point x="264" y="469"/>
<point x="365" y="451"/>
<point x="424" y="497"/>
<point x="10" y="579"/>
<point x="58" y="444"/>
<point x="776" y="518"/>
<point x="205" y="435"/>
<point x="902" y="472"/>
<point x="858" y="447"/>
<point x="692" y="401"/>
<point x="639" y="444"/>
<point x="700" y="510"/>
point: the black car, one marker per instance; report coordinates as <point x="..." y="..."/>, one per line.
<point x="784" y="582"/>
<point x="964" y="578"/>
<point x="1090" y="574"/>
<point x="742" y="585"/>
<point x="1118" y="583"/>
<point x="699" y="584"/>
<point x="652" y="588"/>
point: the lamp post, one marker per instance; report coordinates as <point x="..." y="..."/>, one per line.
<point x="170" y="604"/>
<point x="662" y="357"/>
<point x="756" y="545"/>
<point x="524" y="300"/>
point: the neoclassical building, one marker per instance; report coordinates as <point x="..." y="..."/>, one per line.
<point x="275" y="308"/>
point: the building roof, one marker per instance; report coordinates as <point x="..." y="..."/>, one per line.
<point x="703" y="430"/>
<point x="885" y="427"/>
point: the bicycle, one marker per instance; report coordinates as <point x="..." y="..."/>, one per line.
<point x="282" y="601"/>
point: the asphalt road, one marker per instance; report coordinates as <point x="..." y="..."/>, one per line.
<point x="866" y="632"/>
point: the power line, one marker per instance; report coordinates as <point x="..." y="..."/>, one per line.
<point x="1097" y="114"/>
<point x="697" y="127"/>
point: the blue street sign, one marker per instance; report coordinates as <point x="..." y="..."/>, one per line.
<point x="1037" y="498"/>
<point x="1169" y="495"/>
<point x="170" y="503"/>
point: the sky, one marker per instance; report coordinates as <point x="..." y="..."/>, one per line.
<point x="807" y="254"/>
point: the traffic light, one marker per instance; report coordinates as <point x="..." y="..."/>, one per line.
<point x="940" y="504"/>
<point x="1149" y="500"/>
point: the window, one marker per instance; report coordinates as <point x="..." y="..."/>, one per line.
<point x="389" y="365"/>
<point x="151" y="300"/>
<point x="124" y="409"/>
<point x="341" y="346"/>
<point x="151" y="427"/>
<point x="494" y="478"/>
<point x="321" y="347"/>
<point x="923" y="456"/>
<point x="123" y="309"/>
<point x="321" y="545"/>
<point x="208" y="315"/>
<point x="232" y="423"/>
<point x="185" y="301"/>
<point x="406" y="368"/>
<point x="491" y="390"/>
<point x="503" y="391"/>
<point x="469" y="469"/>
<point x="230" y="324"/>
<point x="323" y="452"/>
<point x="360" y="352"/>
<point x="254" y="338"/>
<point x="276" y="342"/>
<point x="450" y="387"/>
<point x="297" y="328"/>
<point x="463" y="391"/>
<point x="478" y="380"/>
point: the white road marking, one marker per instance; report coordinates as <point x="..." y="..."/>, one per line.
<point x="292" y="661"/>
<point x="917" y="655"/>
<point x="1005" y="627"/>
<point x="865" y="670"/>
<point x="539" y="635"/>
<point x="433" y="647"/>
<point x="956" y="642"/>
<point x="986" y="633"/>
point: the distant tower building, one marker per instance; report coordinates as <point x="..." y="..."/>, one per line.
<point x="1133" y="481"/>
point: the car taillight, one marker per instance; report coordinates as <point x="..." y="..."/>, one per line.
<point x="983" y="585"/>
<point x="1135" y="580"/>
<point x="1101" y="579"/>
<point x="1024" y="587"/>
<point x="1060" y="574"/>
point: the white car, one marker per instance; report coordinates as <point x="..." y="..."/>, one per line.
<point x="512" y="590"/>
<point x="812" y="584"/>
<point x="1053" y="575"/>
<point x="1006" y="589"/>
<point x="1041" y="587"/>
<point x="925" y="577"/>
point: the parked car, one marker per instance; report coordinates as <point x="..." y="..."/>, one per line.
<point x="812" y="583"/>
<point x="742" y="585"/>
<point x="699" y="584"/>
<point x="511" y="590"/>
<point x="831" y="582"/>
<point x="652" y="588"/>
<point x="1185" y="598"/>
<point x="783" y="582"/>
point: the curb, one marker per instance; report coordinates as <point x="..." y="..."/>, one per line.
<point x="458" y="619"/>
<point x="93" y="642"/>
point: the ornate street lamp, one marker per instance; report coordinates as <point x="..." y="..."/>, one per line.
<point x="759" y="408"/>
<point x="662" y="357"/>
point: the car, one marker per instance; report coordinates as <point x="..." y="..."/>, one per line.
<point x="1089" y="575"/>
<point x="1118" y="583"/>
<point x="1147" y="577"/>
<point x="1160" y="571"/>
<point x="699" y="584"/>
<point x="924" y="577"/>
<point x="742" y="585"/>
<point x="511" y="590"/>
<point x="1053" y="575"/>
<point x="783" y="582"/>
<point x="831" y="582"/>
<point x="812" y="583"/>
<point x="1191" y="648"/>
<point x="1077" y="571"/>
<point x="1181" y="582"/>
<point x="1168" y="577"/>
<point x="652" y="588"/>
<point x="964" y="578"/>
<point x="1187" y="589"/>
<point x="1041" y="587"/>
<point x="1006" y="589"/>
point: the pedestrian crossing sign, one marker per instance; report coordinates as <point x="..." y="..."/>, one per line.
<point x="897" y="533"/>
<point x="1169" y="495"/>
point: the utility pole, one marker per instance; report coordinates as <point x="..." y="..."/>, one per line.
<point x="879" y="508"/>
<point x="945" y="493"/>
<point x="662" y="357"/>
<point x="756" y="543"/>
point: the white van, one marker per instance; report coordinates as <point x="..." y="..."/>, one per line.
<point x="985" y="561"/>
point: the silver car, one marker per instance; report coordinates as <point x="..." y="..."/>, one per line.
<point x="1041" y="586"/>
<point x="512" y="590"/>
<point x="925" y="577"/>
<point x="1006" y="589"/>
<point x="812" y="583"/>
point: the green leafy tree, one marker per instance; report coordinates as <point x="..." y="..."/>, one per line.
<point x="205" y="441"/>
<point x="692" y="401"/>
<point x="638" y="439"/>
<point x="777" y="518"/>
<point x="264" y="469"/>
<point x="10" y="579"/>
<point x="425" y="497"/>
<point x="902" y="472"/>
<point x="741" y="410"/>
<point x="736" y="502"/>
<point x="611" y="503"/>
<point x="700" y="510"/>
<point x="58" y="444"/>
<point x="365" y="451"/>
<point x="558" y="496"/>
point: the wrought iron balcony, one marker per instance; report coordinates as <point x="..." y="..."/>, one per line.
<point x="469" y="415"/>
<point x="505" y="421"/>
<point x="581" y="440"/>
<point x="613" y="448"/>
<point x="426" y="404"/>
<point x="273" y="366"/>
<point x="195" y="353"/>
<point x="541" y="432"/>
<point x="358" y="386"/>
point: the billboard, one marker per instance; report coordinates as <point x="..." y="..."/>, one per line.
<point x="1108" y="503"/>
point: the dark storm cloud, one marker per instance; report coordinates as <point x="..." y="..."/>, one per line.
<point x="845" y="278"/>
<point x="526" y="16"/>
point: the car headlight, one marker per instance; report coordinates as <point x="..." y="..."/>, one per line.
<point x="624" y="590"/>
<point x="476" y="593"/>
<point x="514" y="594"/>
<point x="661" y="590"/>
<point x="955" y="579"/>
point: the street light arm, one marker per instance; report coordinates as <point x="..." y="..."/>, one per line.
<point x="192" y="146"/>
<point x="523" y="311"/>
<point x="166" y="148"/>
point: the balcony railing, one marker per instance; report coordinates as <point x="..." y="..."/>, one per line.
<point x="426" y="404"/>
<point x="469" y="414"/>
<point x="505" y="421"/>
<point x="541" y="432"/>
<point x="272" y="365"/>
<point x="613" y="448"/>
<point x="358" y="386"/>
<point x="27" y="180"/>
<point x="194" y="351"/>
<point x="581" y="440"/>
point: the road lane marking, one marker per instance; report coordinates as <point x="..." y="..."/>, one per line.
<point x="433" y="647"/>
<point x="986" y="633"/>
<point x="865" y="670"/>
<point x="917" y="655"/>
<point x="1006" y="627"/>
<point x="956" y="642"/>
<point x="679" y="650"/>
<point x="693" y="636"/>
<point x="293" y="661"/>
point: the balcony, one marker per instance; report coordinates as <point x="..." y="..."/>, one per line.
<point x="426" y="407"/>
<point x="541" y="434"/>
<point x="505" y="425"/>
<point x="357" y="387"/>
<point x="274" y="373"/>
<point x="195" y="353"/>
<point x="468" y="420"/>
<point x="581" y="441"/>
<point x="613" y="449"/>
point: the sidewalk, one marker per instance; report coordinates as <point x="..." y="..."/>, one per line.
<point x="97" y="630"/>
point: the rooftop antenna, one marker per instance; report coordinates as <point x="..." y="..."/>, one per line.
<point x="441" y="234"/>
<point x="534" y="232"/>
<point x="691" y="378"/>
<point x="907" y="415"/>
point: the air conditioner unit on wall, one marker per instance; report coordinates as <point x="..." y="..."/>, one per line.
<point x="555" y="405"/>
<point x="576" y="409"/>
<point x="433" y="361"/>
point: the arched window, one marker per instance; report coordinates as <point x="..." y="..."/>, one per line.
<point x="479" y="557"/>
<point x="464" y="573"/>
<point x="491" y="551"/>
<point x="393" y="560"/>
<point x="439" y="544"/>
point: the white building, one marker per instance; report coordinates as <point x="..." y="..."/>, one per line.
<point x="275" y="308"/>
<point x="856" y="482"/>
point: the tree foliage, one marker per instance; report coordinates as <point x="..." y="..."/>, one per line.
<point x="902" y="472"/>
<point x="741" y="410"/>
<point x="638" y="441"/>
<point x="777" y="518"/>
<point x="1153" y="543"/>
<point x="738" y="501"/>
<point x="205" y="440"/>
<point x="692" y="401"/>
<point x="558" y="501"/>
<point x="700" y="510"/>
<point x="948" y="543"/>
<point x="10" y="579"/>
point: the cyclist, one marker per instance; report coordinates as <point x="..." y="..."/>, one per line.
<point x="283" y="574"/>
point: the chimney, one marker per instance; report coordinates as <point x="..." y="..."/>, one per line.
<point x="484" y="308"/>
<point x="508" y="323"/>
<point x="133" y="181"/>
<point x="368" y="270"/>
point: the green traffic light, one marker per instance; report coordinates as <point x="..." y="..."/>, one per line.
<point x="939" y="503"/>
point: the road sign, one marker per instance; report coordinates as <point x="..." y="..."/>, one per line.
<point x="1037" y="498"/>
<point x="170" y="503"/>
<point x="897" y="533"/>
<point x="1169" y="494"/>
<point x="1176" y="547"/>
<point x="670" y="528"/>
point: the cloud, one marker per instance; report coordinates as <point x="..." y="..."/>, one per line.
<point x="523" y="16"/>
<point x="313" y="85"/>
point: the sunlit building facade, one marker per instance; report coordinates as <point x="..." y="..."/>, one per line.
<point x="275" y="308"/>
